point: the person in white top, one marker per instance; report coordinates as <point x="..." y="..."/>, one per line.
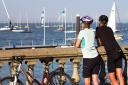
<point x="91" y="58"/>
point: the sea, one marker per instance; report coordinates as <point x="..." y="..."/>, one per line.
<point x="53" y="37"/>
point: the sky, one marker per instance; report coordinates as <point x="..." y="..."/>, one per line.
<point x="20" y="10"/>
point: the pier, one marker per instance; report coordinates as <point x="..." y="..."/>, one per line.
<point x="61" y="53"/>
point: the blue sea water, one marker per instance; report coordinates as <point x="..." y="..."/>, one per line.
<point x="53" y="37"/>
<point x="36" y="37"/>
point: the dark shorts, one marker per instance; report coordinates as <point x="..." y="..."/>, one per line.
<point x="114" y="61"/>
<point x="91" y="66"/>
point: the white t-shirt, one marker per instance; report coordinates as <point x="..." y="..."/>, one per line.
<point x="87" y="37"/>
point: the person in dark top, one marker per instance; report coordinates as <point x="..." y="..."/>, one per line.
<point x="105" y="37"/>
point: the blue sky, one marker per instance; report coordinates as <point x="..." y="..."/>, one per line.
<point x="20" y="9"/>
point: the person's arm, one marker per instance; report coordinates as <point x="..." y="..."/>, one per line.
<point x="98" y="40"/>
<point x="99" y="43"/>
<point x="78" y="40"/>
<point x="77" y="44"/>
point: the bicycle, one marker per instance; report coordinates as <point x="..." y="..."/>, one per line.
<point x="56" y="77"/>
<point x="14" y="78"/>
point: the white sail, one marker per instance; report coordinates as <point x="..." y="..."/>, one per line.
<point x="112" y="22"/>
<point x="112" y="18"/>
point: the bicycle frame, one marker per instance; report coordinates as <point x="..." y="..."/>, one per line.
<point x="24" y="71"/>
<point x="16" y="75"/>
<point x="46" y="75"/>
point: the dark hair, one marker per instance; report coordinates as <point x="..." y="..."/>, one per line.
<point x="103" y="18"/>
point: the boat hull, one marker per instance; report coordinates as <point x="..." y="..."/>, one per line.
<point x="5" y="29"/>
<point x="18" y="30"/>
<point x="118" y="37"/>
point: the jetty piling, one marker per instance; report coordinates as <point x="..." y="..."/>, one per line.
<point x="77" y="24"/>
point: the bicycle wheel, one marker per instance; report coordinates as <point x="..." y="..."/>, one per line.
<point x="58" y="78"/>
<point x="35" y="82"/>
<point x="7" y="80"/>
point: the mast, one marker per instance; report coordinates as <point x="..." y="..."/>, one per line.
<point x="65" y="24"/>
<point x="10" y="23"/>
<point x="43" y="23"/>
<point x="27" y="26"/>
<point x="59" y="21"/>
<point x="44" y="26"/>
<point x="6" y="10"/>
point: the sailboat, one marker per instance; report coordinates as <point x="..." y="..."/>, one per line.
<point x="10" y="25"/>
<point x="27" y="27"/>
<point x="17" y="24"/>
<point x="5" y="28"/>
<point x="112" y="22"/>
<point x="61" y="23"/>
<point x="19" y="29"/>
<point x="72" y="30"/>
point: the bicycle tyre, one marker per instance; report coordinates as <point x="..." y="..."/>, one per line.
<point x="6" y="81"/>
<point x="56" y="79"/>
<point x="35" y="82"/>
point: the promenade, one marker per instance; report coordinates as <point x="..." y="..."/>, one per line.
<point x="61" y="53"/>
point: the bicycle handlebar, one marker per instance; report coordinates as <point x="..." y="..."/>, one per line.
<point x="46" y="60"/>
<point x="126" y="49"/>
<point x="18" y="58"/>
